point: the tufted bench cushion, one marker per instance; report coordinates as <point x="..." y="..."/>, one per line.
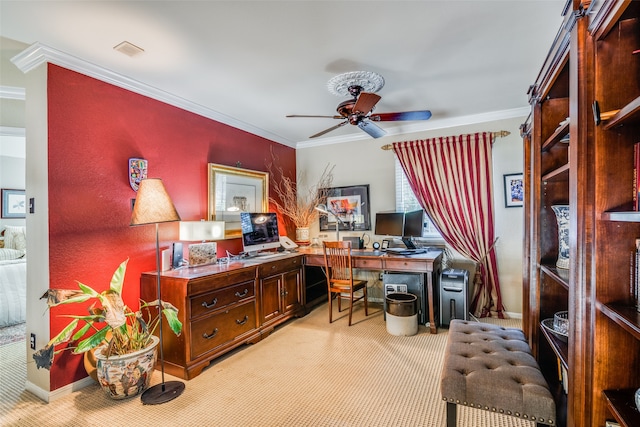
<point x="491" y="368"/>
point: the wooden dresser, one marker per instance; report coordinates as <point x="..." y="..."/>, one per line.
<point x="224" y="306"/>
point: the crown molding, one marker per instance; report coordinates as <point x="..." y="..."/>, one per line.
<point x="11" y="92"/>
<point x="429" y="125"/>
<point x="38" y="54"/>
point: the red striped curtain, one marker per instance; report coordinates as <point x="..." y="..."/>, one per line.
<point x="451" y="178"/>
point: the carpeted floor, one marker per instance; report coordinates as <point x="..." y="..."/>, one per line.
<point x="11" y="334"/>
<point x="306" y="373"/>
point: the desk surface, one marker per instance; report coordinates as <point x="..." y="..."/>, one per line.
<point x="427" y="263"/>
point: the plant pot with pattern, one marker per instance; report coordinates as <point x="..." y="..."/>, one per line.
<point x="113" y="331"/>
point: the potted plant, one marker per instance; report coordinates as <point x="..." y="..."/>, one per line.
<point x="299" y="206"/>
<point x="123" y="340"/>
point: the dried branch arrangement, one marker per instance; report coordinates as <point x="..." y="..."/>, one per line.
<point x="299" y="206"/>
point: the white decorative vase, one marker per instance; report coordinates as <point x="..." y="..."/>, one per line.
<point x="128" y="375"/>
<point x="562" y="218"/>
<point x="302" y="235"/>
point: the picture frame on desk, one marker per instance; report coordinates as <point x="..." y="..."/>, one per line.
<point x="351" y="205"/>
<point x="513" y="190"/>
<point x="233" y="190"/>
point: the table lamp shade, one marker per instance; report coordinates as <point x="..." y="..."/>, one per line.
<point x="153" y="204"/>
<point x="201" y="230"/>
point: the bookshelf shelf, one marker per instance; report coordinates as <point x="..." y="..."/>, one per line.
<point x="555" y="138"/>
<point x="630" y="216"/>
<point x="621" y="404"/>
<point x="629" y="114"/>
<point x="624" y="315"/>
<point x="560" y="276"/>
<point x="560" y="348"/>
<point x="559" y="174"/>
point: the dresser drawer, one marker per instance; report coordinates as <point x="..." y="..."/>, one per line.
<point x="220" y="280"/>
<point x="279" y="266"/>
<point x="218" y="329"/>
<point x="408" y="265"/>
<point x="373" y="263"/>
<point x="211" y="301"/>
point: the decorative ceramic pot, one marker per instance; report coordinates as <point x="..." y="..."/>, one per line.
<point x="302" y="235"/>
<point x="562" y="218"/>
<point x="127" y="375"/>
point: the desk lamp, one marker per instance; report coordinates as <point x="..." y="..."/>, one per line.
<point x="323" y="209"/>
<point x="153" y="206"/>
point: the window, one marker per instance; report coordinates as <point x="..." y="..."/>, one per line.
<point x="406" y="202"/>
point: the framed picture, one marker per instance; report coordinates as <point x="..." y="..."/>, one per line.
<point x="14" y="203"/>
<point x="348" y="204"/>
<point x="513" y="190"/>
<point x="233" y="190"/>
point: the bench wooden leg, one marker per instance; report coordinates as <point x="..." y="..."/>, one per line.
<point x="451" y="414"/>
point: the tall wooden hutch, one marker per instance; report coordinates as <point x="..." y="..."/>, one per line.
<point x="592" y="77"/>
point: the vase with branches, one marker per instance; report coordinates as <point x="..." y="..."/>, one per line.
<point x="296" y="200"/>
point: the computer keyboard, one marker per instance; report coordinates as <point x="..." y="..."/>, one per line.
<point x="268" y="256"/>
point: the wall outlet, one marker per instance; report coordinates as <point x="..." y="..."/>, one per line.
<point x="32" y="341"/>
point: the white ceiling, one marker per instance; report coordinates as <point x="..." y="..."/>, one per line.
<point x="257" y="61"/>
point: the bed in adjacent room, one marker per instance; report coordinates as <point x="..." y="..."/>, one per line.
<point x="13" y="277"/>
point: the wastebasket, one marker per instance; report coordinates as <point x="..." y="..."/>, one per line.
<point x="402" y="314"/>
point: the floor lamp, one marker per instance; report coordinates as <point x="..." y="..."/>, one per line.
<point x="153" y="206"/>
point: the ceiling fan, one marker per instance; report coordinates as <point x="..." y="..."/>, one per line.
<point x="362" y="85"/>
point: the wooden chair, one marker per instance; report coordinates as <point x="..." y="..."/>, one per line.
<point x="339" y="272"/>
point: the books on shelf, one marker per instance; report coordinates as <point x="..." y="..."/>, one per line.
<point x="636" y="176"/>
<point x="635" y="276"/>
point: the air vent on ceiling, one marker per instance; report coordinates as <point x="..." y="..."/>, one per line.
<point x="129" y="49"/>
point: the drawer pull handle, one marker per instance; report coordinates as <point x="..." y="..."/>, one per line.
<point x="244" y="294"/>
<point x="243" y="321"/>
<point x="213" y="303"/>
<point x="213" y="334"/>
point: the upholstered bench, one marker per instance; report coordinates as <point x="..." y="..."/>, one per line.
<point x="489" y="367"/>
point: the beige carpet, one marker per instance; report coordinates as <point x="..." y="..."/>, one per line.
<point x="307" y="373"/>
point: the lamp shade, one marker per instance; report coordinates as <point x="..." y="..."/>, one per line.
<point x="153" y="204"/>
<point x="201" y="230"/>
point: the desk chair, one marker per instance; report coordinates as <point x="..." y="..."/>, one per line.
<point x="339" y="271"/>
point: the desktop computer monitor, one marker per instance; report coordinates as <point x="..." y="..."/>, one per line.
<point x="259" y="231"/>
<point x="413" y="223"/>
<point x="389" y="223"/>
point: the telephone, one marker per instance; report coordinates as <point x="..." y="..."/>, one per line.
<point x="287" y="243"/>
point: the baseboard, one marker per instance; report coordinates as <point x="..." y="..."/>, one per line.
<point x="50" y="396"/>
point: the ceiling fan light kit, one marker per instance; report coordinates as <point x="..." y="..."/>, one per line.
<point x="362" y="85"/>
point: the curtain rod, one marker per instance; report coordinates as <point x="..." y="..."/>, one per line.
<point x="499" y="134"/>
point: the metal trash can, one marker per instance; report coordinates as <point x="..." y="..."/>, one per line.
<point x="402" y="314"/>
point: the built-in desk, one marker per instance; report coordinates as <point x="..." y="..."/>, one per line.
<point x="427" y="263"/>
<point x="223" y="306"/>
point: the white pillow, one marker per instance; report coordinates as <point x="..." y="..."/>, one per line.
<point x="9" y="254"/>
<point x="15" y="237"/>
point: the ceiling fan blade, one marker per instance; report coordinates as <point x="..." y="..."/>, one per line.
<point x="365" y="103"/>
<point x="371" y="129"/>
<point x="321" y="117"/>
<point x="330" y="129"/>
<point x="406" y="115"/>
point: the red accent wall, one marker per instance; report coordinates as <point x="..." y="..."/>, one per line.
<point x="94" y="128"/>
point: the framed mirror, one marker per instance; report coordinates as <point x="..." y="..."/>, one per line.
<point x="233" y="190"/>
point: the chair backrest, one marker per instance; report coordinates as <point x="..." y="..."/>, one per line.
<point x="337" y="260"/>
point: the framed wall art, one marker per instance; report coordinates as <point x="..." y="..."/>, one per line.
<point x="349" y="204"/>
<point x="14" y="203"/>
<point x="513" y="190"/>
<point x="233" y="190"/>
